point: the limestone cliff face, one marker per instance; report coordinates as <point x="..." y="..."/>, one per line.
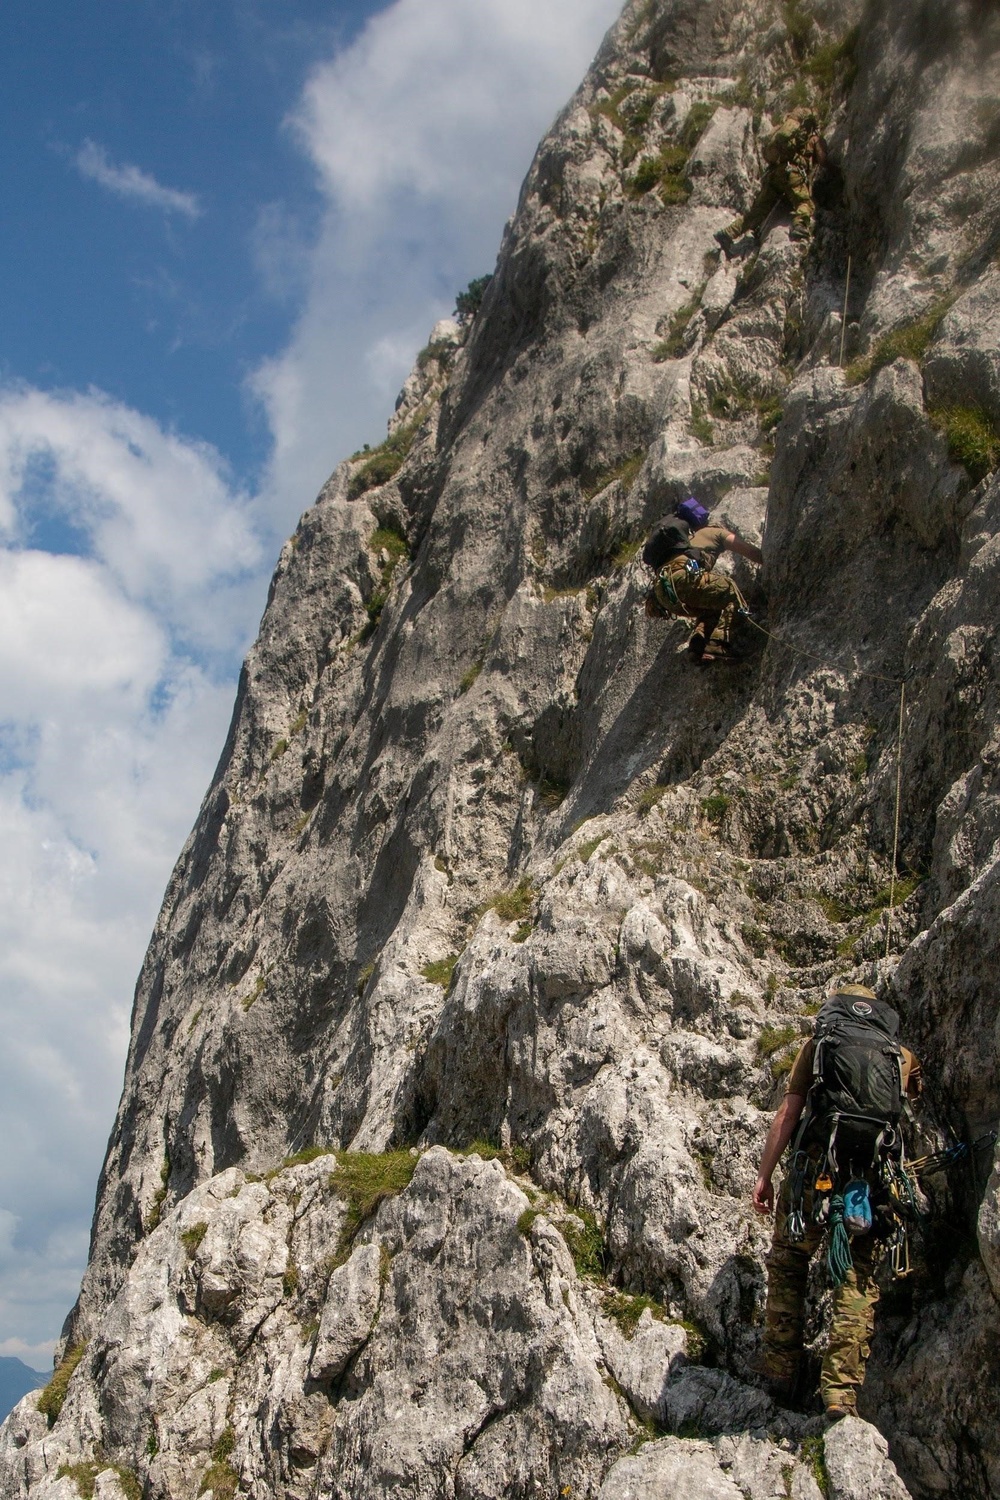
<point x="486" y="864"/>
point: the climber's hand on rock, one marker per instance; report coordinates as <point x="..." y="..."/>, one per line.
<point x="763" y="1195"/>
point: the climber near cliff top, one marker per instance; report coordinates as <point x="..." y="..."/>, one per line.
<point x="845" y="1177"/>
<point x="792" y="154"/>
<point x="682" y="550"/>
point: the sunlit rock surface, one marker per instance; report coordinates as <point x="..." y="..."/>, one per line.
<point x="487" y="864"/>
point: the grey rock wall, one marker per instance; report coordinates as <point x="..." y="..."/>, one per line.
<point x="486" y="864"/>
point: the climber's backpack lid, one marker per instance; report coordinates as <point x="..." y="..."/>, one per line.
<point x="669" y="537"/>
<point x="857" y="1068"/>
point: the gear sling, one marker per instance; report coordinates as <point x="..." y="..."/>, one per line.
<point x="849" y="1140"/>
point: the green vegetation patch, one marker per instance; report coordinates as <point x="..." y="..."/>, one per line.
<point x="514" y="905"/>
<point x="672" y="346"/>
<point x="50" y="1402"/>
<point x="626" y="1310"/>
<point x="468" y="303"/>
<point x="701" y="426"/>
<point x="755" y="938"/>
<point x="83" y="1475"/>
<point x="394" y="544"/>
<point x="515" y="1158"/>
<point x="526" y="1220"/>
<point x="582" y="1234"/>
<point x="221" y="1479"/>
<point x="622" y="556"/>
<point x="384" y="462"/>
<point x="813" y="1455"/>
<point x="439" y="971"/>
<point x="773" y="1039"/>
<point x="587" y="848"/>
<point x="973" y="440"/>
<point x="192" y="1238"/>
<point x="648" y="798"/>
<point x="364" y="1179"/>
<point x="714" y="808"/>
<point x="156" y="1209"/>
<point x="909" y="341"/>
<point x="624" y="473"/>
<point x="469" y="677"/>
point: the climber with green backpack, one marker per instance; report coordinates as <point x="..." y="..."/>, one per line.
<point x="682" y="551"/>
<point x="845" y="1183"/>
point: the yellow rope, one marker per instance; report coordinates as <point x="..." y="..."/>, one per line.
<point x="895" y="829"/>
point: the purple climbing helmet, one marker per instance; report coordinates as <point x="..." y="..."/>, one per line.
<point x="692" y="512"/>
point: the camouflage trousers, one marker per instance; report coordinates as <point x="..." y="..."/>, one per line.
<point x="710" y="598"/>
<point x="853" y="1318"/>
<point x="788" y="185"/>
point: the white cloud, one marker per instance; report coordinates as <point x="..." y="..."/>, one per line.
<point x="127" y="181"/>
<point x="421" y="132"/>
<point x="116" y="680"/>
<point x="118" y="656"/>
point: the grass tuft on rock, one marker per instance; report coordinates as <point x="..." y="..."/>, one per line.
<point x="192" y="1238"/>
<point x="50" y="1402"/>
<point x="909" y="341"/>
<point x="514" y="905"/>
<point x="626" y="1309"/>
<point x="384" y="462"/>
<point x="773" y="1039"/>
<point x="364" y="1179"/>
<point x="813" y="1455"/>
<point x="623" y="473"/>
<point x="439" y="971"/>
<point x="672" y="346"/>
<point x="582" y="1234"/>
<point x="973" y="440"/>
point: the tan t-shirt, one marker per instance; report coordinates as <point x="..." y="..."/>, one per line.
<point x="712" y="541"/>
<point x="801" y="1077"/>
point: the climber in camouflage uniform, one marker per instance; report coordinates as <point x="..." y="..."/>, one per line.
<point x="683" y="551"/>
<point x="853" y="1310"/>
<point x="791" y="154"/>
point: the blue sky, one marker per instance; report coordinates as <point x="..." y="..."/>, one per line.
<point x="164" y="310"/>
<point x="228" y="228"/>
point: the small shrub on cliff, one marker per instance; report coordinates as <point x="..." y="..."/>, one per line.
<point x="50" y="1402"/>
<point x="672" y="346"/>
<point x="624" y="472"/>
<point x="514" y="906"/>
<point x="468" y="303"/>
<point x="83" y="1475"/>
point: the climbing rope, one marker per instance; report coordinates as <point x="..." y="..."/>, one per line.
<point x="839" y="1261"/>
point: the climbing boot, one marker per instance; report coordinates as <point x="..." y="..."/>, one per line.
<point x="696" y="645"/>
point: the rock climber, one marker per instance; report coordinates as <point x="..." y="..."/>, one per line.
<point x="832" y="1168"/>
<point x="792" y="154"/>
<point x="683" y="550"/>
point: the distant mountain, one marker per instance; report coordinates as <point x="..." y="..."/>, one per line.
<point x="16" y="1380"/>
